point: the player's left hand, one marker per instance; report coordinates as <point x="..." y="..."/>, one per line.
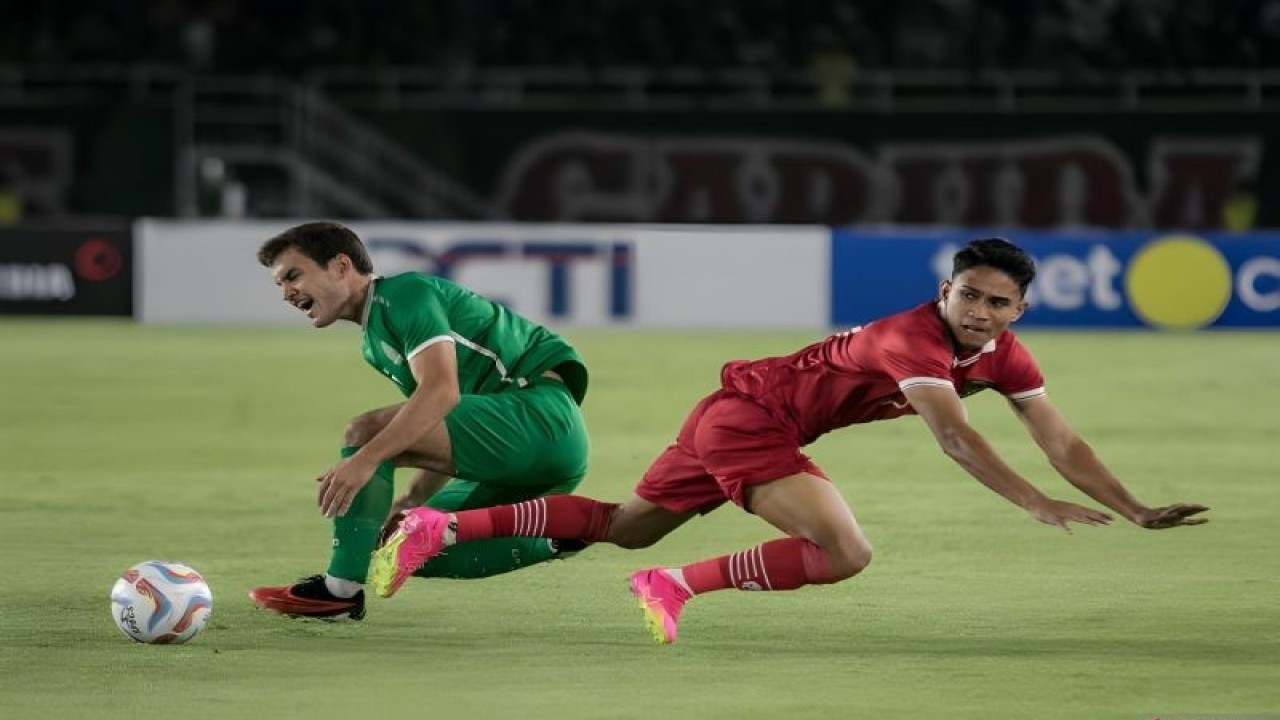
<point x="1170" y="516"/>
<point x="339" y="486"/>
<point x="1060" y="512"/>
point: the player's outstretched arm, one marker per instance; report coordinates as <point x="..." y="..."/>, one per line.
<point x="943" y="412"/>
<point x="1072" y="457"/>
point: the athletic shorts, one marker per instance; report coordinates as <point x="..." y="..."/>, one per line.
<point x="531" y="438"/>
<point x="727" y="444"/>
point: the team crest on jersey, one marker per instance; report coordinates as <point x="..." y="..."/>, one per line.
<point x="973" y="387"/>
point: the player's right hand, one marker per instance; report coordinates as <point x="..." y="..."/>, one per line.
<point x="1170" y="516"/>
<point x="1059" y="512"/>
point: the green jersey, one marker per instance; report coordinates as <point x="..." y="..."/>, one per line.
<point x="497" y="349"/>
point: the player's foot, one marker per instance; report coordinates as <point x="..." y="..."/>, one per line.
<point x="419" y="537"/>
<point x="662" y="599"/>
<point x="308" y="598"/>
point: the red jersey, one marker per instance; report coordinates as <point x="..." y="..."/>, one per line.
<point x="858" y="376"/>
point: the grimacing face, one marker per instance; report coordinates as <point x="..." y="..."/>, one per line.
<point x="979" y="303"/>
<point x="322" y="292"/>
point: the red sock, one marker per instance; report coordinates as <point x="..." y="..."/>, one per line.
<point x="562" y="517"/>
<point x="784" y="564"/>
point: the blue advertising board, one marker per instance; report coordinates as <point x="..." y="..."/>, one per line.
<point x="1151" y="279"/>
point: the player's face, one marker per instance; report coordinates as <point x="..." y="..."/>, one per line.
<point x="317" y="290"/>
<point x="979" y="303"/>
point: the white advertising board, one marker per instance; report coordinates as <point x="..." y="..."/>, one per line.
<point x="560" y="275"/>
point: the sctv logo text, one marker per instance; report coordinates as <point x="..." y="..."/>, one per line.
<point x="556" y="279"/>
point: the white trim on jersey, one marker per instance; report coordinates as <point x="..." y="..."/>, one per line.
<point x="368" y="301"/>
<point x="502" y="369"/>
<point x="1027" y="394"/>
<point x="914" y="381"/>
<point x="989" y="347"/>
<point x="428" y="343"/>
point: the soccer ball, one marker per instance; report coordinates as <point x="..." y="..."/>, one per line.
<point x="161" y="602"/>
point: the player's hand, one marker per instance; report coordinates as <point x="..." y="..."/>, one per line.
<point x="1058" y="513"/>
<point x="1170" y="516"/>
<point x="339" y="486"/>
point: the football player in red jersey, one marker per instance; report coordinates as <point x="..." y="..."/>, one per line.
<point x="743" y="444"/>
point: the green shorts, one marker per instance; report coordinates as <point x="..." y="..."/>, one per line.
<point x="527" y="439"/>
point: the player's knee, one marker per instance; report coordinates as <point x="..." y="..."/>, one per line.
<point x="849" y="559"/>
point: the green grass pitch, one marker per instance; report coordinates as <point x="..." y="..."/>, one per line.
<point x="120" y="443"/>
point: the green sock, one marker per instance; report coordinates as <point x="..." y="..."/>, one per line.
<point x="355" y="535"/>
<point x="485" y="558"/>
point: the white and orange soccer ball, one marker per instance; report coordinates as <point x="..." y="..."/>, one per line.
<point x="161" y="602"/>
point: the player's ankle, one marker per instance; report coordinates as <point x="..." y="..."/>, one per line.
<point x="342" y="587"/>
<point x="677" y="574"/>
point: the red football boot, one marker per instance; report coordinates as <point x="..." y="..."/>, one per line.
<point x="308" y="598"/>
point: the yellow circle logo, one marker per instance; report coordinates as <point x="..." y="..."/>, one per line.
<point x="1179" y="283"/>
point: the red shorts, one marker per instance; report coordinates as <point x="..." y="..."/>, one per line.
<point x="727" y="444"/>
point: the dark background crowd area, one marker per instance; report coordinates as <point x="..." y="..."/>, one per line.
<point x="237" y="36"/>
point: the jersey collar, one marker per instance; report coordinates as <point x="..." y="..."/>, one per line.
<point x="368" y="300"/>
<point x="989" y="347"/>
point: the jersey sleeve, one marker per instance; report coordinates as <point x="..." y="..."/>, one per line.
<point x="419" y="318"/>
<point x="1020" y="377"/>
<point x="912" y="359"/>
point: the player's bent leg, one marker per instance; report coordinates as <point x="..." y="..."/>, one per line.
<point x="809" y="508"/>
<point x="432" y="451"/>
<point x="423" y="533"/>
<point x="355" y="535"/>
<point x="516" y="439"/>
<point x="637" y="523"/>
<point x="486" y="558"/>
<point x="826" y="546"/>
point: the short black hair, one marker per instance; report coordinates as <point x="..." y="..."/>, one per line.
<point x="1000" y="254"/>
<point x="320" y="241"/>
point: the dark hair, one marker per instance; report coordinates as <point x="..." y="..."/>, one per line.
<point x="320" y="241"/>
<point x="1000" y="254"/>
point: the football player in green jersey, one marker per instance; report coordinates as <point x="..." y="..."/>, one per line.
<point x="491" y="414"/>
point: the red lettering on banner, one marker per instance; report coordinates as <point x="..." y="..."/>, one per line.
<point x="701" y="187"/>
<point x="818" y="187"/>
<point x="1039" y="183"/>
<point x="1049" y="182"/>
<point x="585" y="177"/>
<point x="1192" y="180"/>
